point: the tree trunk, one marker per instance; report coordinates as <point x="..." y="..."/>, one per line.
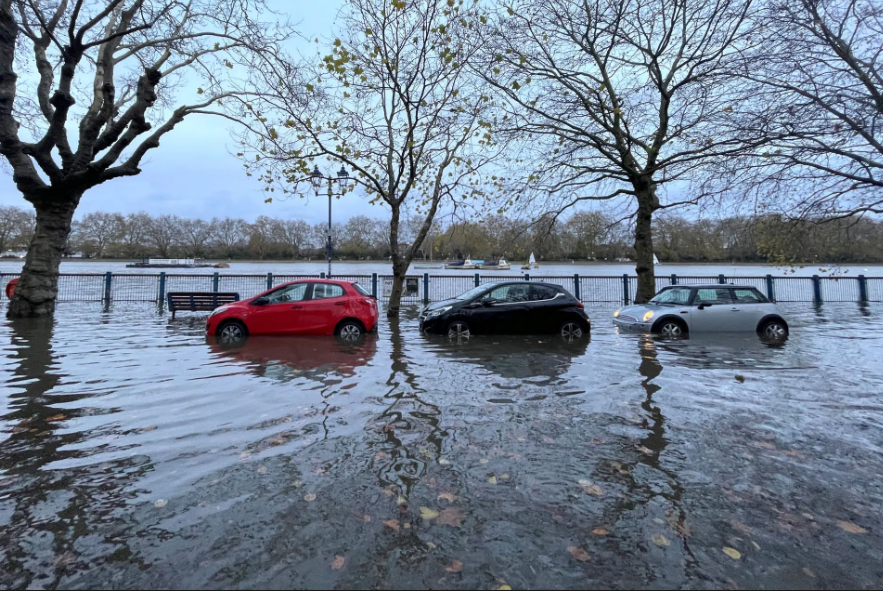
<point x="647" y="204"/>
<point x="399" y="270"/>
<point x="37" y="289"/>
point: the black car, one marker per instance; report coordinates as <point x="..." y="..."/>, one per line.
<point x="516" y="307"/>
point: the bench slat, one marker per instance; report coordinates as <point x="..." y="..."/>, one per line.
<point x="199" y="301"/>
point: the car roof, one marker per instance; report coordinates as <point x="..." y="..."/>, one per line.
<point x="715" y="286"/>
<point x="555" y="285"/>
<point x="310" y="280"/>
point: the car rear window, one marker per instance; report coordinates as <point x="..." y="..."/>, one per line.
<point x="541" y="292"/>
<point x="713" y="296"/>
<point x="362" y="290"/>
<point x="323" y="291"/>
<point x="749" y="296"/>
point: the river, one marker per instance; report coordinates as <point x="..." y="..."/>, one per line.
<point x="544" y="270"/>
<point x="136" y="454"/>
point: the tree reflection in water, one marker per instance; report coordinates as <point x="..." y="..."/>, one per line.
<point x="52" y="511"/>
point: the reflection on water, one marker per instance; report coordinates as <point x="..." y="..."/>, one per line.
<point x="136" y="453"/>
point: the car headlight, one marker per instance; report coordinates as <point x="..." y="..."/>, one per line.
<point x="616" y="314"/>
<point x="648" y="316"/>
<point x="437" y="312"/>
<point x="217" y="311"/>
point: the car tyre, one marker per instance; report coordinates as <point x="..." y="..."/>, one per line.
<point x="232" y="332"/>
<point x="571" y="331"/>
<point x="458" y="331"/>
<point x="773" y="330"/>
<point x="349" y="331"/>
<point x="671" y="329"/>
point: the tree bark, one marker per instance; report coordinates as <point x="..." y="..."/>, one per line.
<point x="37" y="289"/>
<point x="648" y="203"/>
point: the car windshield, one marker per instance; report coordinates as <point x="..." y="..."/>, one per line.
<point x="474" y="292"/>
<point x="676" y="295"/>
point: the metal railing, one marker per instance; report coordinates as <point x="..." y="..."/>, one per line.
<point x="108" y="287"/>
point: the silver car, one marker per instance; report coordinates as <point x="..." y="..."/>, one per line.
<point x="679" y="310"/>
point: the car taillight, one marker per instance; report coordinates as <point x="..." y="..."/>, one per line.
<point x="580" y="305"/>
<point x="370" y="301"/>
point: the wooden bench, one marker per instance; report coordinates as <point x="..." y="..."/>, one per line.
<point x="199" y="301"/>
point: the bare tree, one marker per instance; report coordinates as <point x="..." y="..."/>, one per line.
<point x="195" y="235"/>
<point x="15" y="223"/>
<point x="819" y="71"/>
<point x="134" y="232"/>
<point x="291" y="233"/>
<point x="620" y="100"/>
<point x="395" y="103"/>
<point x="96" y="231"/>
<point x="122" y="61"/>
<point x="163" y="233"/>
<point x="229" y="234"/>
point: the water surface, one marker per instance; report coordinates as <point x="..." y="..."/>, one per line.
<point x="137" y="454"/>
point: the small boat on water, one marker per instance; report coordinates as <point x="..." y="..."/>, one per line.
<point x="531" y="264"/>
<point x="147" y="263"/>
<point x="500" y="265"/>
<point x="427" y="266"/>
<point x="464" y="264"/>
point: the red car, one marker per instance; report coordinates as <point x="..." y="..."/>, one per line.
<point x="303" y="307"/>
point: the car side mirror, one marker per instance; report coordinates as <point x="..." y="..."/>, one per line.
<point x="703" y="306"/>
<point x="261" y="301"/>
<point x="487" y="303"/>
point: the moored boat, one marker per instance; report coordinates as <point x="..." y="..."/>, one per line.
<point x="464" y="264"/>
<point x="500" y="265"/>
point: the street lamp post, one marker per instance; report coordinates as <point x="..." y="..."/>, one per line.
<point x="342" y="179"/>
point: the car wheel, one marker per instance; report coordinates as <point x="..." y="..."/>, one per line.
<point x="458" y="330"/>
<point x="774" y="330"/>
<point x="349" y="331"/>
<point x="571" y="331"/>
<point x="232" y="332"/>
<point x="671" y="329"/>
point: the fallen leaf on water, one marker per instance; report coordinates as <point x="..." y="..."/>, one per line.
<point x="740" y="379"/>
<point x="548" y="440"/>
<point x="732" y="553"/>
<point x="645" y="451"/>
<point x="392" y="524"/>
<point x="522" y="439"/>
<point x="297" y="484"/>
<point x="661" y="540"/>
<point x="161" y="503"/>
<point x="427" y="513"/>
<point x="55" y="418"/>
<point x="262" y="470"/>
<point x="449" y="497"/>
<point x="755" y="544"/>
<point x="740" y="527"/>
<point x="589" y="488"/>
<point x="451" y="516"/>
<point x="850" y="527"/>
<point x="504" y="588"/>
<point x="309" y="497"/>
<point x="808" y="572"/>
<point x="366" y="518"/>
<point x="444" y="462"/>
<point x="430" y="545"/>
<point x="407" y="526"/>
<point x="338" y="562"/>
<point x="401" y="501"/>
<point x="455" y="567"/>
<point x="600" y="531"/>
<point x="578" y="553"/>
<point x="483" y="461"/>
<point x="492" y="479"/>
<point x="505" y="476"/>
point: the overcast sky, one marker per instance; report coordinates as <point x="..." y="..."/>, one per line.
<point x="193" y="174"/>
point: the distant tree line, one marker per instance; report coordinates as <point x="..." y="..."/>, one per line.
<point x="582" y="236"/>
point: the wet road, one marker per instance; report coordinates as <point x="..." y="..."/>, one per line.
<point x="134" y="454"/>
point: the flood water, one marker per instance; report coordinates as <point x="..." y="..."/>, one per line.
<point x="136" y="454"/>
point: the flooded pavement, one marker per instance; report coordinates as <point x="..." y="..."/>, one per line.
<point x="135" y="454"/>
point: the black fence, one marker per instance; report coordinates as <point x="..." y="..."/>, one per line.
<point x="113" y="287"/>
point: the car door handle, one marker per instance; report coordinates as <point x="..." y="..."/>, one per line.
<point x="735" y="309"/>
<point x="340" y="303"/>
<point x="297" y="307"/>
